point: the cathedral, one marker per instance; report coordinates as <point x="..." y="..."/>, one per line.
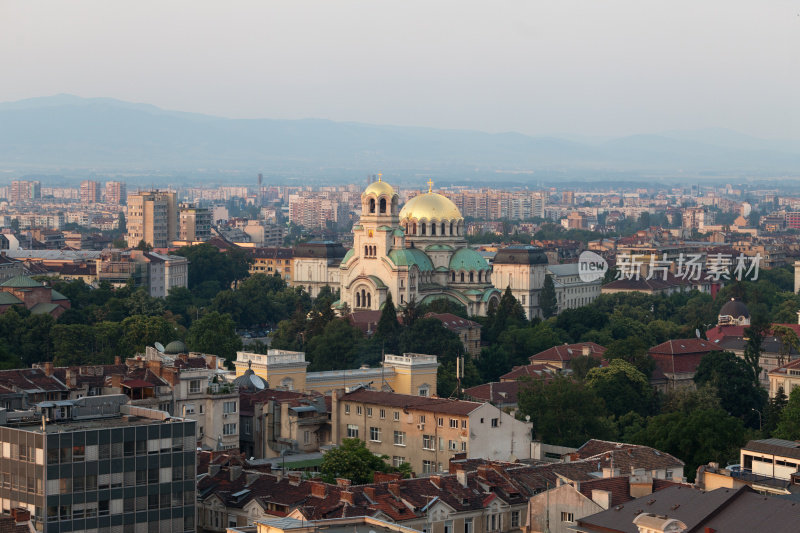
<point x="417" y="253"/>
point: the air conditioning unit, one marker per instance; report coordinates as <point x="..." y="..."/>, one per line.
<point x="224" y="415"/>
<point x="420" y="426"/>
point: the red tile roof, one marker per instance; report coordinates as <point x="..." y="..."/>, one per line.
<point x="684" y="346"/>
<point x="453" y="322"/>
<point x="530" y="371"/>
<point x="495" y="392"/>
<point x="566" y="352"/>
<point x="423" y="403"/>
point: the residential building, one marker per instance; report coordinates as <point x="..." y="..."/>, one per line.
<point x="90" y="192"/>
<point x="561" y="356"/>
<point x="677" y="361"/>
<point x="35" y="296"/>
<point x="158" y="273"/>
<point x="10" y="267"/>
<point x="773" y="458"/>
<point x="194" y="224"/>
<point x="502" y="394"/>
<point x="152" y="218"/>
<point x="316" y="265"/>
<point x="467" y="330"/>
<point x="271" y="261"/>
<point x="571" y="291"/>
<point x="97" y="463"/>
<point x="115" y="193"/>
<point x="357" y="524"/>
<point x="428" y="432"/>
<point x="786" y="378"/>
<point x="24" y="191"/>
<point x="409" y="373"/>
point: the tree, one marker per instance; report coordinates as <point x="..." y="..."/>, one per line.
<point x="140" y="331"/>
<point x="509" y="312"/>
<point x="752" y="351"/>
<point x="696" y="437"/>
<point x="622" y="387"/>
<point x="388" y="329"/>
<point x="732" y="379"/>
<point x="774" y="411"/>
<point x="209" y="264"/>
<point x="582" y="364"/>
<point x="214" y="334"/>
<point x="789" y="342"/>
<point x="337" y="347"/>
<point x="144" y="246"/>
<point x="789" y="422"/>
<point x="352" y="460"/>
<point x="634" y="351"/>
<point x="547" y="298"/>
<point x="122" y="225"/>
<point x="410" y="313"/>
<point x="551" y="403"/>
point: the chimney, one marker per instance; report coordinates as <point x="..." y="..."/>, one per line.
<point x="394" y="489"/>
<point x="116" y="381"/>
<point x="71" y="379"/>
<point x="461" y="476"/>
<point x="437" y="481"/>
<point x="610" y="472"/>
<point x="235" y="472"/>
<point x="342" y="482"/>
<point x="585" y="350"/>
<point x="370" y="493"/>
<point x="20" y="515"/>
<point x="213" y="470"/>
<point x="117" y="360"/>
<point x="48" y="368"/>
<point x="602" y="498"/>
<point x="483" y="471"/>
<point x="346" y="497"/>
<point x="318" y="489"/>
<point x="294" y="478"/>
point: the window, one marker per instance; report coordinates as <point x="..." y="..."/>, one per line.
<point x="495" y="422"/>
<point x="448" y="526"/>
<point x="189" y="408"/>
<point x="382" y="413"/>
<point x="454" y="423"/>
<point x="194" y="386"/>
<point x="440" y="422"/>
<point x="463" y="446"/>
<point x="428" y="442"/>
<point x="493" y="522"/>
<point x="397" y="461"/>
<point x="428" y="467"/>
<point x="369" y="411"/>
<point x="452" y="445"/>
<point x="358" y="409"/>
<point x="464" y="424"/>
<point x="352" y="431"/>
<point x="399" y="438"/>
<point x="514" y="518"/>
<point x="567" y="517"/>
<point x="468" y="525"/>
<point x="229" y="429"/>
<point x="306" y="437"/>
<point x="397" y="416"/>
<point x="347" y="408"/>
<point x="375" y="434"/>
<point x="421" y="419"/>
<point x="227" y="407"/>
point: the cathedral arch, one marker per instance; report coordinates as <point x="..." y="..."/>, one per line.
<point x="383" y="205"/>
<point x="462" y="277"/>
<point x="451" y="228"/>
<point x="471" y="277"/>
<point x="372" y="205"/>
<point x="433" y="228"/>
<point x="423" y="228"/>
<point x="442" y="228"/>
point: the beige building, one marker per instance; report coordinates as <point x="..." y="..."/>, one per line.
<point x="116" y="193"/>
<point x="522" y="269"/>
<point x="90" y="192"/>
<point x="409" y="373"/>
<point x="194" y="223"/>
<point x="152" y="218"/>
<point x="316" y="265"/>
<point x="427" y="432"/>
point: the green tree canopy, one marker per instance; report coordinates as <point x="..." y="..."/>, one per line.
<point x="352" y="460"/>
<point x="622" y="387"/>
<point x="215" y="334"/>
<point x="789" y="422"/>
<point x="547" y="298"/>
<point x="732" y="378"/>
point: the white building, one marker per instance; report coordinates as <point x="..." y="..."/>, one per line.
<point x="571" y="291"/>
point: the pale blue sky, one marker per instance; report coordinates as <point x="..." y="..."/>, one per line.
<point x="594" y="67"/>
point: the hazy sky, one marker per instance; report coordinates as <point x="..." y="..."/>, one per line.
<point x="594" y="67"/>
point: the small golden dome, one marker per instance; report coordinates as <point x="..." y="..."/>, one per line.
<point x="379" y="188"/>
<point x="430" y="206"/>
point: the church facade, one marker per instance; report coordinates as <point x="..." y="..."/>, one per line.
<point x="417" y="253"/>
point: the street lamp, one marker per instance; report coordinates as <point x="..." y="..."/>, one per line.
<point x="759" y="416"/>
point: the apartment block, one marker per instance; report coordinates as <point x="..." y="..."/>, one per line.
<point x="152" y="218"/>
<point x="24" y="191"/>
<point x="90" y="192"/>
<point x="98" y="464"/>
<point x="195" y="223"/>
<point x="116" y="192"/>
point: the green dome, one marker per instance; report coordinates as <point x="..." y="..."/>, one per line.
<point x="175" y="347"/>
<point x="468" y="259"/>
<point x="350" y="253"/>
<point x="411" y="256"/>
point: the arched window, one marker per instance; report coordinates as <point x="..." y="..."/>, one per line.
<point x="372" y="205"/>
<point x="462" y="277"/>
<point x="479" y="276"/>
<point x="453" y="276"/>
<point x="442" y="228"/>
<point x="423" y="228"/>
<point x="415" y="228"/>
<point x="394" y="205"/>
<point x="358" y="300"/>
<point x="383" y="205"/>
<point x="451" y="228"/>
<point x="369" y="301"/>
<point x="471" y="277"/>
<point x="366" y="250"/>
<point x="433" y="228"/>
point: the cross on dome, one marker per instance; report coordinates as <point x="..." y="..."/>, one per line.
<point x="430" y="185"/>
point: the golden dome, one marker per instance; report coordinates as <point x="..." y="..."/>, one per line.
<point x="430" y="206"/>
<point x="379" y="188"/>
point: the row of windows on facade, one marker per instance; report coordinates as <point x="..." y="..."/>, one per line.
<point x="454" y="422"/>
<point x="494" y="522"/>
<point x="428" y="441"/>
<point x="152" y="502"/>
<point x="150" y="476"/>
<point x="455" y="229"/>
<point x="227" y="408"/>
<point x="114" y="450"/>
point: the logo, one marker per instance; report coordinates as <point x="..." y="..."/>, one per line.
<point x="591" y="267"/>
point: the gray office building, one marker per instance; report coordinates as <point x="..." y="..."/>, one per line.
<point x="98" y="464"/>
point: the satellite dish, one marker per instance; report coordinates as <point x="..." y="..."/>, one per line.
<point x="697" y="332"/>
<point x="159" y="346"/>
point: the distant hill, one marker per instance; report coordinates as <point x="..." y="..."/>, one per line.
<point x="69" y="132"/>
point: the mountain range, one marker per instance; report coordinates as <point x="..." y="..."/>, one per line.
<point x="64" y="132"/>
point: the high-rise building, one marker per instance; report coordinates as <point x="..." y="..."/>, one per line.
<point x="99" y="464"/>
<point x="90" y="192"/>
<point x="152" y="218"/>
<point x="23" y="191"/>
<point x="115" y="192"/>
<point x="195" y="223"/>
